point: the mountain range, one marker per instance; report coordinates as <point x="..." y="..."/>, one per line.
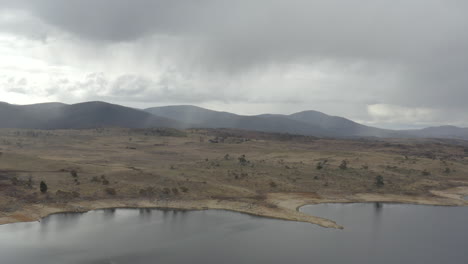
<point x="102" y="114"/>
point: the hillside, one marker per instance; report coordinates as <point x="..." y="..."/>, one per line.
<point x="102" y="114"/>
<point x="205" y="118"/>
<point x="82" y="115"/>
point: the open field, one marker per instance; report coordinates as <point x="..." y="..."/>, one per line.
<point x="257" y="173"/>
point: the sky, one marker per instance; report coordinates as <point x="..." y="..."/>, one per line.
<point x="391" y="64"/>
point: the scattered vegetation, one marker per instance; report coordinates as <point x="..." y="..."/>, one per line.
<point x="319" y="166"/>
<point x="242" y="160"/>
<point x="43" y="187"/>
<point x="343" y="165"/>
<point x="379" y="181"/>
<point x="110" y="191"/>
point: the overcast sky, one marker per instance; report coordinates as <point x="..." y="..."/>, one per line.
<point x="392" y="63"/>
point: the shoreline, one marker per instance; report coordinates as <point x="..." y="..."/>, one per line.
<point x="281" y="206"/>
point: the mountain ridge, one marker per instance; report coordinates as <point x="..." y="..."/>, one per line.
<point x="56" y="115"/>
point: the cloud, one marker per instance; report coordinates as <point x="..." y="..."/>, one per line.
<point x="372" y="60"/>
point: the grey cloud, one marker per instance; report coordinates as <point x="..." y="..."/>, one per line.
<point x="417" y="48"/>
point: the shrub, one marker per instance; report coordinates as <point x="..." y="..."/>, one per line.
<point x="166" y="190"/>
<point x="74" y="174"/>
<point x="110" y="191"/>
<point x="149" y="191"/>
<point x="273" y="184"/>
<point x="319" y="166"/>
<point x="242" y="160"/>
<point x="379" y="181"/>
<point x="95" y="179"/>
<point x="344" y="165"/>
<point x="43" y="187"/>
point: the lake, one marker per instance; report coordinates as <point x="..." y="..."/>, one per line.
<point x="374" y="233"/>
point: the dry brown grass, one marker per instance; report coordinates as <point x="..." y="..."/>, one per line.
<point x="155" y="166"/>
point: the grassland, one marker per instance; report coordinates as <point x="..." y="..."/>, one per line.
<point x="258" y="173"/>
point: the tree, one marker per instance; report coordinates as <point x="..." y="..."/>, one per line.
<point x="242" y="160"/>
<point x="74" y="174"/>
<point x="379" y="182"/>
<point x="319" y="166"/>
<point x="43" y="187"/>
<point x="344" y="165"/>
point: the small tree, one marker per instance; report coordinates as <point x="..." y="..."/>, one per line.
<point x="43" y="187"/>
<point x="242" y="160"/>
<point x="74" y="174"/>
<point x="344" y="165"/>
<point x="379" y="182"/>
<point x="319" y="166"/>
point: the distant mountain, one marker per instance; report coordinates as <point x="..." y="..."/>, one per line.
<point x="101" y="114"/>
<point x="439" y="132"/>
<point x="341" y="126"/>
<point x="205" y="118"/>
<point x="82" y="115"/>
<point x="306" y="123"/>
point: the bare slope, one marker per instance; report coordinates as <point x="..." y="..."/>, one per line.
<point x="82" y="115"/>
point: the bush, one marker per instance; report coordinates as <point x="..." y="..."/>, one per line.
<point x="74" y="174"/>
<point x="149" y="191"/>
<point x="110" y="191"/>
<point x="379" y="181"/>
<point x="166" y="190"/>
<point x="319" y="166"/>
<point x="242" y="160"/>
<point x="273" y="184"/>
<point x="344" y="165"/>
<point x="95" y="179"/>
<point x="43" y="187"/>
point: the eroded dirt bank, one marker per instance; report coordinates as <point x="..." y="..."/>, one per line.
<point x="283" y="206"/>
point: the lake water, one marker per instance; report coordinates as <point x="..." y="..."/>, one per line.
<point x="374" y="233"/>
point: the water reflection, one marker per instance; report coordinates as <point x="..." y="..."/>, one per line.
<point x="378" y="207"/>
<point x="398" y="234"/>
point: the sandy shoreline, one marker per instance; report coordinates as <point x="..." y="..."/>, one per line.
<point x="284" y="206"/>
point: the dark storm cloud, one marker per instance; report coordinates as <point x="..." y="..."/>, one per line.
<point x="236" y="34"/>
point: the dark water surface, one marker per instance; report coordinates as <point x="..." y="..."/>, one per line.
<point x="374" y="233"/>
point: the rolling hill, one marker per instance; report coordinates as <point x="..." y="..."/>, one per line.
<point x="102" y="114"/>
<point x="78" y="116"/>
